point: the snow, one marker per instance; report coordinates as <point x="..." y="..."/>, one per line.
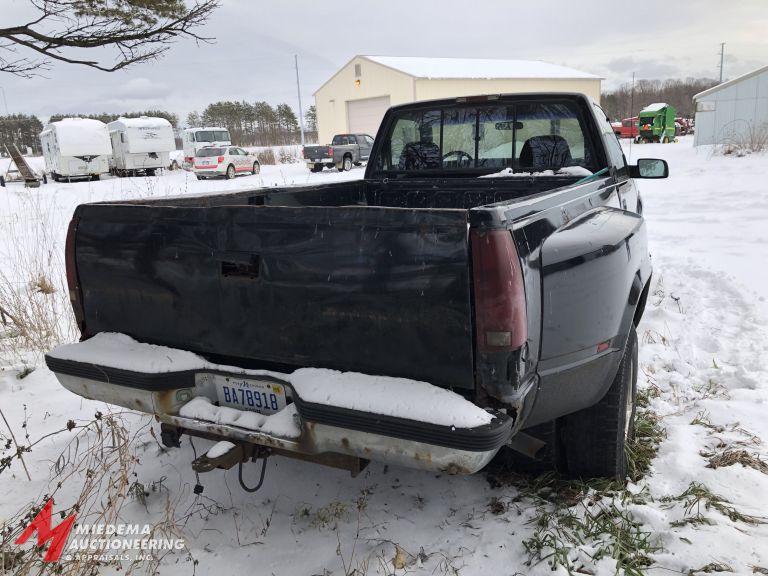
<point x="81" y="136"/>
<point x="420" y="67"/>
<point x="282" y="424"/>
<point x="655" y="107"/>
<point x="381" y="395"/>
<point x="123" y="352"/>
<point x="703" y="346"/>
<point x="564" y="171"/>
<point x="219" y="449"/>
<point x="387" y="396"/>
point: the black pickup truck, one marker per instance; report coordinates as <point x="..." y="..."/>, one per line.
<point x="479" y="289"/>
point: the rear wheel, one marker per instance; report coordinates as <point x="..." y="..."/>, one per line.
<point x="346" y="164"/>
<point x="96" y="177"/>
<point x="230" y="172"/>
<point x="256" y="168"/>
<point x="594" y="439"/>
<point x="198" y="176"/>
<point x="317" y="168"/>
<point x="151" y="172"/>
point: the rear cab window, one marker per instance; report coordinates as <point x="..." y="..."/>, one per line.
<point x="521" y="136"/>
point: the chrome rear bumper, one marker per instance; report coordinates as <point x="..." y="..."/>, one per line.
<point x="321" y="431"/>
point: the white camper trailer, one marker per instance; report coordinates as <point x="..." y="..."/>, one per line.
<point x="195" y="138"/>
<point x="140" y="145"/>
<point x="76" y="148"/>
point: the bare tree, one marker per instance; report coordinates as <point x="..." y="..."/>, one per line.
<point x="127" y="32"/>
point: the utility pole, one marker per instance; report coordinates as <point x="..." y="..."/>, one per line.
<point x="722" y="54"/>
<point x="4" y="101"/>
<point x="298" y="90"/>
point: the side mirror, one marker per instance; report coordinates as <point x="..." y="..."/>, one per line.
<point x="649" y="168"/>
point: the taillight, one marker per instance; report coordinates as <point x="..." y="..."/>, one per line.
<point x="330" y="152"/>
<point x="220" y="159"/>
<point x="189" y="159"/>
<point x="75" y="294"/>
<point x="499" y="292"/>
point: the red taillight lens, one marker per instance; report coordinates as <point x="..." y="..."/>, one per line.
<point x="220" y="159"/>
<point x="189" y="159"/>
<point x="75" y="295"/>
<point x="501" y="321"/>
<point x="330" y="151"/>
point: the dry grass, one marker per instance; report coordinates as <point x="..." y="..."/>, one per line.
<point x="267" y="157"/>
<point x="698" y="499"/>
<point x="741" y="137"/>
<point x="96" y="473"/>
<point x="731" y="457"/>
<point x="35" y="313"/>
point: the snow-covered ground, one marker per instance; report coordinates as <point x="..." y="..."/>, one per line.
<point x="703" y="345"/>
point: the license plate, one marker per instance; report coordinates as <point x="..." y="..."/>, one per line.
<point x="260" y="396"/>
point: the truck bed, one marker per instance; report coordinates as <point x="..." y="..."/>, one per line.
<point x="356" y="276"/>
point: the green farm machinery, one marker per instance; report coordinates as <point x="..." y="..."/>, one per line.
<point x="656" y="123"/>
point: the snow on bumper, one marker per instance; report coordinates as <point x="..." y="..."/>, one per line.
<point x="330" y="413"/>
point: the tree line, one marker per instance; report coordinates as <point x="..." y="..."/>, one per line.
<point x="22" y="130"/>
<point x="622" y="103"/>
<point x="256" y="124"/>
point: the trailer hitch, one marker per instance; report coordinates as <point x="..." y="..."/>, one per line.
<point x="238" y="454"/>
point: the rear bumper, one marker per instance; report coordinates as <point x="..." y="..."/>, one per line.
<point x="318" y="161"/>
<point x="321" y="430"/>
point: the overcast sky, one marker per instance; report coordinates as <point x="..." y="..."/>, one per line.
<point x="252" y="57"/>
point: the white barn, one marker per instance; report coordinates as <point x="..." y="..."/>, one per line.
<point x="356" y="97"/>
<point x="732" y="109"/>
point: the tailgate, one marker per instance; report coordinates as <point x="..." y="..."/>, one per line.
<point x="376" y="290"/>
<point x="315" y="152"/>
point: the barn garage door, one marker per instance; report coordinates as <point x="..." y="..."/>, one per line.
<point x="364" y="116"/>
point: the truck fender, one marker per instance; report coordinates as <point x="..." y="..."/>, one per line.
<point x="594" y="271"/>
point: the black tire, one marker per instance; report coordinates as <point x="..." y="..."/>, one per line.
<point x="2" y="182"/>
<point x="95" y="177"/>
<point x="151" y="172"/>
<point x="594" y="439"/>
<point x="256" y="168"/>
<point x="357" y="163"/>
<point x="198" y="176"/>
<point x="346" y="164"/>
<point x="317" y="168"/>
<point x="230" y="173"/>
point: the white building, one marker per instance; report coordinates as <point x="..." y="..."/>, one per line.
<point x="355" y="98"/>
<point x="732" y="109"/>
